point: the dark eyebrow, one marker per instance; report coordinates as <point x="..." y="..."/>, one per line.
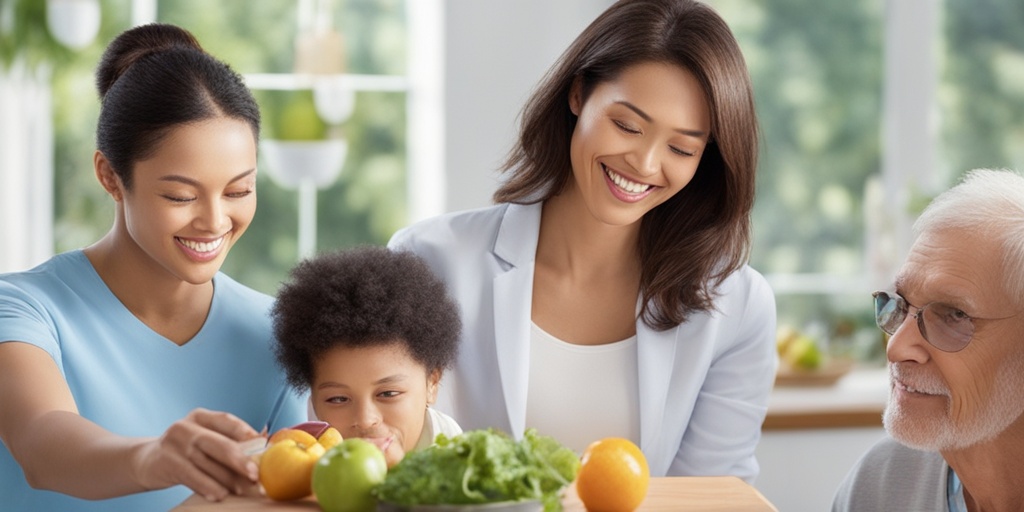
<point x="398" y="377"/>
<point x="643" y="115"/>
<point x="390" y="379"/>
<point x="189" y="181"/>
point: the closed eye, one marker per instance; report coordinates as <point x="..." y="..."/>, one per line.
<point x="681" y="152"/>
<point x="175" y="199"/>
<point x="626" y="128"/>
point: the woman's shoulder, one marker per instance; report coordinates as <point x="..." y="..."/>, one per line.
<point x="745" y="281"/>
<point x="448" y="228"/>
<point x="50" y="275"/>
<point x="452" y="222"/>
<point x="746" y="295"/>
<point x="238" y="295"/>
<point x="62" y="289"/>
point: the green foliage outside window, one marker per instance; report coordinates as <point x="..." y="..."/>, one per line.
<point x="981" y="93"/>
<point x="364" y="206"/>
<point x="817" y="72"/>
<point x="24" y="35"/>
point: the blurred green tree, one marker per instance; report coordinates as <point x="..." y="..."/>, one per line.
<point x="364" y="206"/>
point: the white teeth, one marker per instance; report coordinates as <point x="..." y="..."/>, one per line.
<point x="929" y="391"/>
<point x="631" y="187"/>
<point x="202" y="246"/>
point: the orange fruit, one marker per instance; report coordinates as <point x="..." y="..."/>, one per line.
<point x="613" y="476"/>
<point x="299" y="436"/>
<point x="286" y="468"/>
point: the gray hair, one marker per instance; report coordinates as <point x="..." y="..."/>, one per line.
<point x="991" y="202"/>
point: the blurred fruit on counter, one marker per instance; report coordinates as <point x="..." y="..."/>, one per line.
<point x="798" y="350"/>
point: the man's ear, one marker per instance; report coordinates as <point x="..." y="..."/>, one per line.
<point x="105" y="174"/>
<point x="576" y="96"/>
<point x="433" y="382"/>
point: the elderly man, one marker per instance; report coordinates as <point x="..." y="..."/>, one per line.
<point x="956" y="354"/>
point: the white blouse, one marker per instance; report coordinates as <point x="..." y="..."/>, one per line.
<point x="581" y="393"/>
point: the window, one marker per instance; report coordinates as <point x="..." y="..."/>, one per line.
<point x="868" y="109"/>
<point x="980" y="97"/>
<point x="817" y="74"/>
<point x="365" y="204"/>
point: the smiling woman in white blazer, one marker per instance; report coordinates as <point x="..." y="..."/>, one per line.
<point x="607" y="293"/>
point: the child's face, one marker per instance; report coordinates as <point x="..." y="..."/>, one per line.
<point x="378" y="393"/>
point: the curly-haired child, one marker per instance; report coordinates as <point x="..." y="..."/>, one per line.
<point x="369" y="332"/>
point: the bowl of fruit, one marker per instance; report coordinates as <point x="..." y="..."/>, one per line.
<point x="803" y="362"/>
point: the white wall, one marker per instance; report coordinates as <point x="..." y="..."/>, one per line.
<point x="801" y="469"/>
<point x="495" y="52"/>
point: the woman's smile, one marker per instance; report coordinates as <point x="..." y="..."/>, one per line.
<point x="624" y="188"/>
<point x="201" y="250"/>
<point x="651" y="123"/>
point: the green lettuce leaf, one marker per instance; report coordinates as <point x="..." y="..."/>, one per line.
<point x="482" y="466"/>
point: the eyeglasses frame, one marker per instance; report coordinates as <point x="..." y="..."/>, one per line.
<point x="918" y="316"/>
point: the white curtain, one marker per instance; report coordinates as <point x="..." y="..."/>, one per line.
<point x="26" y="167"/>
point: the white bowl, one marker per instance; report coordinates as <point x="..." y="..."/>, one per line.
<point x="503" y="506"/>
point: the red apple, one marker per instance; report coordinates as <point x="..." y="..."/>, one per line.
<point x="314" y="428"/>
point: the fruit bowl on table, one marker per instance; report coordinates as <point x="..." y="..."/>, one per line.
<point x="501" y="506"/>
<point x="827" y="374"/>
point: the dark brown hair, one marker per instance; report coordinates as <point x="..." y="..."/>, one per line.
<point x="363" y="297"/>
<point x="154" y="77"/>
<point x="692" y="242"/>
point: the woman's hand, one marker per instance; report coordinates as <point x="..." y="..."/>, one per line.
<point x="61" y="451"/>
<point x="202" y="452"/>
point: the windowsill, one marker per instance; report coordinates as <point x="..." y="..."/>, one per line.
<point x="855" y="400"/>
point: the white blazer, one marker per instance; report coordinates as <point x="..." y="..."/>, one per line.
<point x="704" y="385"/>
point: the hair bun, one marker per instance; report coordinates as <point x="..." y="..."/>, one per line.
<point x="136" y="43"/>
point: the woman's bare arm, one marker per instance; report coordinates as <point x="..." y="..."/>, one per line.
<point x="59" y="450"/>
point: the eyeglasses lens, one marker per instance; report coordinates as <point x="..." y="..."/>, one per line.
<point x="888" y="313"/>
<point x="946" y="328"/>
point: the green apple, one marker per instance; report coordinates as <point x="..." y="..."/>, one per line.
<point x="344" y="476"/>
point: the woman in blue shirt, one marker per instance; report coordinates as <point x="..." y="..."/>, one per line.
<point x="134" y="365"/>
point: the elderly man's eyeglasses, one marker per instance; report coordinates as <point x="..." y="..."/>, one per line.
<point x="944" y="327"/>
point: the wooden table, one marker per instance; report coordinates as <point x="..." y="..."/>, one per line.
<point x="705" y="494"/>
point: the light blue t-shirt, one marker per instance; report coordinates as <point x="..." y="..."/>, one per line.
<point x="132" y="381"/>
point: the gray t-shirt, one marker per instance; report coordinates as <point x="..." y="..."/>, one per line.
<point x="893" y="477"/>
